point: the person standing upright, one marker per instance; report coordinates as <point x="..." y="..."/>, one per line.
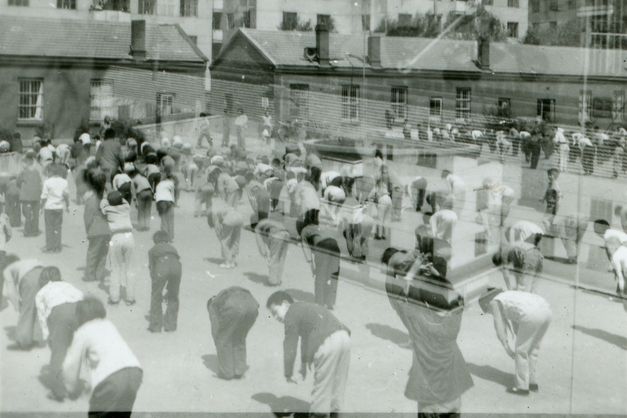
<point x="31" y="185"/>
<point x="562" y="145"/>
<point x="521" y="318"/>
<point x="165" y="270"/>
<point x="54" y="198"/>
<point x="325" y="345"/>
<point x="232" y="313"/>
<point x="96" y="227"/>
<point x="109" y="155"/>
<point x="241" y="124"/>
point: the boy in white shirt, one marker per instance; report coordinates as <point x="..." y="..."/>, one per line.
<point x="55" y="197"/>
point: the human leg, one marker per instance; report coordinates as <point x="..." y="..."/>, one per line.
<point x="159" y="281"/>
<point x="115" y="395"/>
<point x="172" y="298"/>
<point x="239" y="340"/>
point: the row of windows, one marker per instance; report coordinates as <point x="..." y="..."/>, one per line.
<point x="187" y="8"/>
<point x="553" y="5"/>
<point x="101" y="100"/>
<point x="601" y="107"/>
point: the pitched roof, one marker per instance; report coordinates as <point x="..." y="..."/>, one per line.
<point x="41" y="37"/>
<point x="285" y="48"/>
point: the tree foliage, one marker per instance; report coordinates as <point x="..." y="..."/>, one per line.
<point x="425" y="26"/>
<point x="567" y="34"/>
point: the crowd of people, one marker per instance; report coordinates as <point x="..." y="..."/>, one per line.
<point x="292" y="198"/>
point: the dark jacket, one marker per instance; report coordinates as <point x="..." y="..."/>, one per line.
<point x="30" y="183"/>
<point x="109" y="155"/>
<point x="163" y="258"/>
<point x="311" y="323"/>
<point x="95" y="222"/>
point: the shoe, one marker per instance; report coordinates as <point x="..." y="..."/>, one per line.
<point x="170" y="329"/>
<point x="533" y="387"/>
<point x="130" y="302"/>
<point x="112" y="302"/>
<point x="47" y="250"/>
<point x="153" y="330"/>
<point x="517" y="391"/>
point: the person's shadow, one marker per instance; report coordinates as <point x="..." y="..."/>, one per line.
<point x="211" y="362"/>
<point x="617" y="340"/>
<point x="214" y="260"/>
<point x="492" y="374"/>
<point x="10" y="332"/>
<point x="301" y="295"/>
<point x="386" y="332"/>
<point x="283" y="406"/>
<point x="257" y="278"/>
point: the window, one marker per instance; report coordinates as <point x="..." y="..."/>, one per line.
<point x="512" y="29"/>
<point x="323" y="20"/>
<point x="146" y="7"/>
<point x="546" y="109"/>
<point x="585" y="106"/>
<point x="165" y="104"/>
<point x="399" y="102"/>
<point x="404" y="19"/>
<point x="365" y="23"/>
<point x="553" y="6"/>
<point x="189" y="8"/>
<point x="513" y="3"/>
<point x="487" y="2"/>
<point x="535" y="6"/>
<point x="66" y="4"/>
<point x="290" y="20"/>
<point x="166" y="7"/>
<point x="350" y="102"/>
<point x="602" y="107"/>
<point x="23" y="3"/>
<point x="215" y="49"/>
<point x="118" y="5"/>
<point x="100" y="99"/>
<point x="217" y="20"/>
<point x="31" y="105"/>
<point x="618" y="109"/>
<point x="435" y="107"/>
<point x="427" y="159"/>
<point x="299" y="101"/>
<point x="463" y="103"/>
<point x="230" y="20"/>
<point x="504" y="107"/>
<point x="248" y="18"/>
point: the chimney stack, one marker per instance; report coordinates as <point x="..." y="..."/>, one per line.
<point x="138" y="39"/>
<point x="322" y="44"/>
<point x="483" y="53"/>
<point x="374" y="50"/>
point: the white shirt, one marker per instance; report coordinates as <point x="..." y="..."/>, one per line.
<point x="52" y="295"/>
<point x="98" y="346"/>
<point x="442" y="223"/>
<point x="334" y="194"/>
<point x="518" y="304"/>
<point x="120" y="179"/>
<point x="476" y="134"/>
<point x="165" y="191"/>
<point x="55" y="191"/>
<point x="615" y="233"/>
<point x="306" y="197"/>
<point x="619" y="263"/>
<point x="46" y="154"/>
<point x="455" y="183"/>
<point x="522" y="230"/>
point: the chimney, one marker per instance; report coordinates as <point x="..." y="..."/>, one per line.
<point x="374" y="50"/>
<point x="138" y="39"/>
<point x="483" y="53"/>
<point x="322" y="44"/>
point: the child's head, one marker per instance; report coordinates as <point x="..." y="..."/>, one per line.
<point x="49" y="274"/>
<point x="115" y="198"/>
<point x="600" y="226"/>
<point x="553" y="173"/>
<point x="89" y="309"/>
<point x="160" y="237"/>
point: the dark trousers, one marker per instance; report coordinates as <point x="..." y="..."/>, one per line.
<point x="154" y="179"/>
<point x="587" y="160"/>
<point x="327" y="271"/>
<point x="62" y="323"/>
<point x="13" y="210"/>
<point x="115" y="396"/>
<point x="167" y="275"/>
<point x="97" y="251"/>
<point x="229" y="328"/>
<point x="30" y="209"/>
<point x="166" y="213"/>
<point x="144" y="206"/>
<point x="28" y="331"/>
<point x="127" y="192"/>
<point x="535" y="157"/>
<point x="54" y="223"/>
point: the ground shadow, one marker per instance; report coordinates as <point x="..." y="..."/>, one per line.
<point x="386" y="332"/>
<point x="283" y="406"/>
<point x="257" y="278"/>
<point x="617" y="340"/>
<point x="214" y="260"/>
<point x="211" y="362"/>
<point x="492" y="374"/>
<point x="10" y="332"/>
<point x="301" y="295"/>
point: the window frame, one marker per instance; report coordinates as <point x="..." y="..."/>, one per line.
<point x="70" y="3"/>
<point x="618" y="106"/>
<point x="19" y="3"/>
<point x="351" y="98"/>
<point x="436" y="99"/>
<point x="287" y="19"/>
<point x="102" y="110"/>
<point x="160" y="104"/>
<point x="142" y="8"/>
<point x="513" y="4"/>
<point x="463" y="105"/>
<point x="28" y="104"/>
<point x="219" y="20"/>
<point x="399" y="108"/>
<point x="585" y="105"/>
<point x="499" y="106"/>
<point x="552" y="109"/>
<point x="188" y="8"/>
<point x="515" y="25"/>
<point x="365" y="22"/>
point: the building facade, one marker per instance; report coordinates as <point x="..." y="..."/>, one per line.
<point x="57" y="75"/>
<point x="356" y="93"/>
<point x="193" y="16"/>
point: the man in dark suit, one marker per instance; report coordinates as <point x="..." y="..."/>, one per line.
<point x="232" y="313"/>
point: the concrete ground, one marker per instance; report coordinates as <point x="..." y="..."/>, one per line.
<point x="583" y="361"/>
